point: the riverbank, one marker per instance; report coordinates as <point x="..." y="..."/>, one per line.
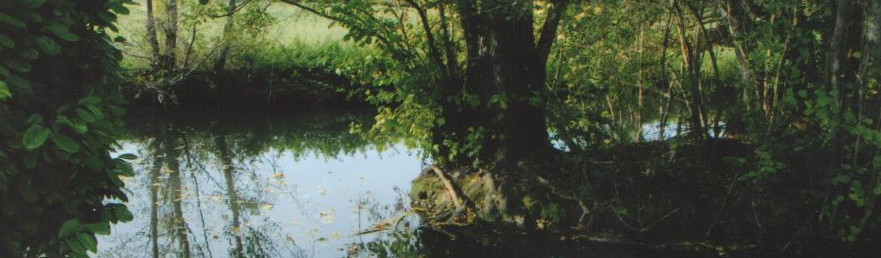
<point x="693" y="199"/>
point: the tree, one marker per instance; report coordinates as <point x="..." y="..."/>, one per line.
<point x="490" y="108"/>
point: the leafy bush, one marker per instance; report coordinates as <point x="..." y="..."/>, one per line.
<point x="59" y="115"/>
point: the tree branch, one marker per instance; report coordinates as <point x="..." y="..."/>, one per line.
<point x="549" y="29"/>
<point x="433" y="52"/>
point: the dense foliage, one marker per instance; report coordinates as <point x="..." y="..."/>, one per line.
<point x="484" y="88"/>
<point x="59" y="116"/>
<point x="796" y="80"/>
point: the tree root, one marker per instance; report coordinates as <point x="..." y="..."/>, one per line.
<point x="462" y="203"/>
<point x="585" y="211"/>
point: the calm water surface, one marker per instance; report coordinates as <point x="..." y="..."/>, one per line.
<point x="304" y="185"/>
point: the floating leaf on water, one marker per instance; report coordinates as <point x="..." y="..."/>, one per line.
<point x="327" y="216"/>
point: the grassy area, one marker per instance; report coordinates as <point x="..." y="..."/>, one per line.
<point x="293" y="38"/>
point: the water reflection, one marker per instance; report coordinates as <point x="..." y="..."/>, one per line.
<point x="296" y="184"/>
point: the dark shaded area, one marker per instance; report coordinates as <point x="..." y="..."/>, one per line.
<point x="257" y="87"/>
<point x="675" y="198"/>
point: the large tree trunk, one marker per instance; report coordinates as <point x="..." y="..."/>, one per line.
<point x="505" y="63"/>
<point x="505" y="71"/>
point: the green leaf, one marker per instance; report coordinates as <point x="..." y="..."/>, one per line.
<point x="118" y="8"/>
<point x="75" y="246"/>
<point x="19" y="82"/>
<point x="125" y="168"/>
<point x="78" y="127"/>
<point x="85" y="115"/>
<point x="123" y="214"/>
<point x="62" y="32"/>
<point x="88" y="241"/>
<point x="48" y="45"/>
<point x="6" y="42"/>
<point x="64" y="143"/>
<point x="17" y="65"/>
<point x="4" y="91"/>
<point x="29" y="53"/>
<point x="128" y="156"/>
<point x="89" y="100"/>
<point x="12" y="21"/>
<point x="35" y="136"/>
<point x="69" y="227"/>
<point x="100" y="228"/>
<point x="35" y="3"/>
<point x="95" y="111"/>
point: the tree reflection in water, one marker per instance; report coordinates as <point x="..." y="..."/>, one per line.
<point x="216" y="187"/>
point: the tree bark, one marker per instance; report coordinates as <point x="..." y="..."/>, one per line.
<point x="505" y="61"/>
<point x="220" y="64"/>
<point x="151" y="38"/>
<point x="169" y="58"/>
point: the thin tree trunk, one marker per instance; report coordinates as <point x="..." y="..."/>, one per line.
<point x="692" y="67"/>
<point x="154" y="196"/>
<point x="180" y="224"/>
<point x="220" y="64"/>
<point x="665" y="80"/>
<point x="735" y="26"/>
<point x="232" y="195"/>
<point x="152" y="39"/>
<point x="170" y="57"/>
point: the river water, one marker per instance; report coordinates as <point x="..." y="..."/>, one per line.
<point x="303" y="186"/>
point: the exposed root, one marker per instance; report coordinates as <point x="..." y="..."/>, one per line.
<point x="462" y="203"/>
<point x="585" y="211"/>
